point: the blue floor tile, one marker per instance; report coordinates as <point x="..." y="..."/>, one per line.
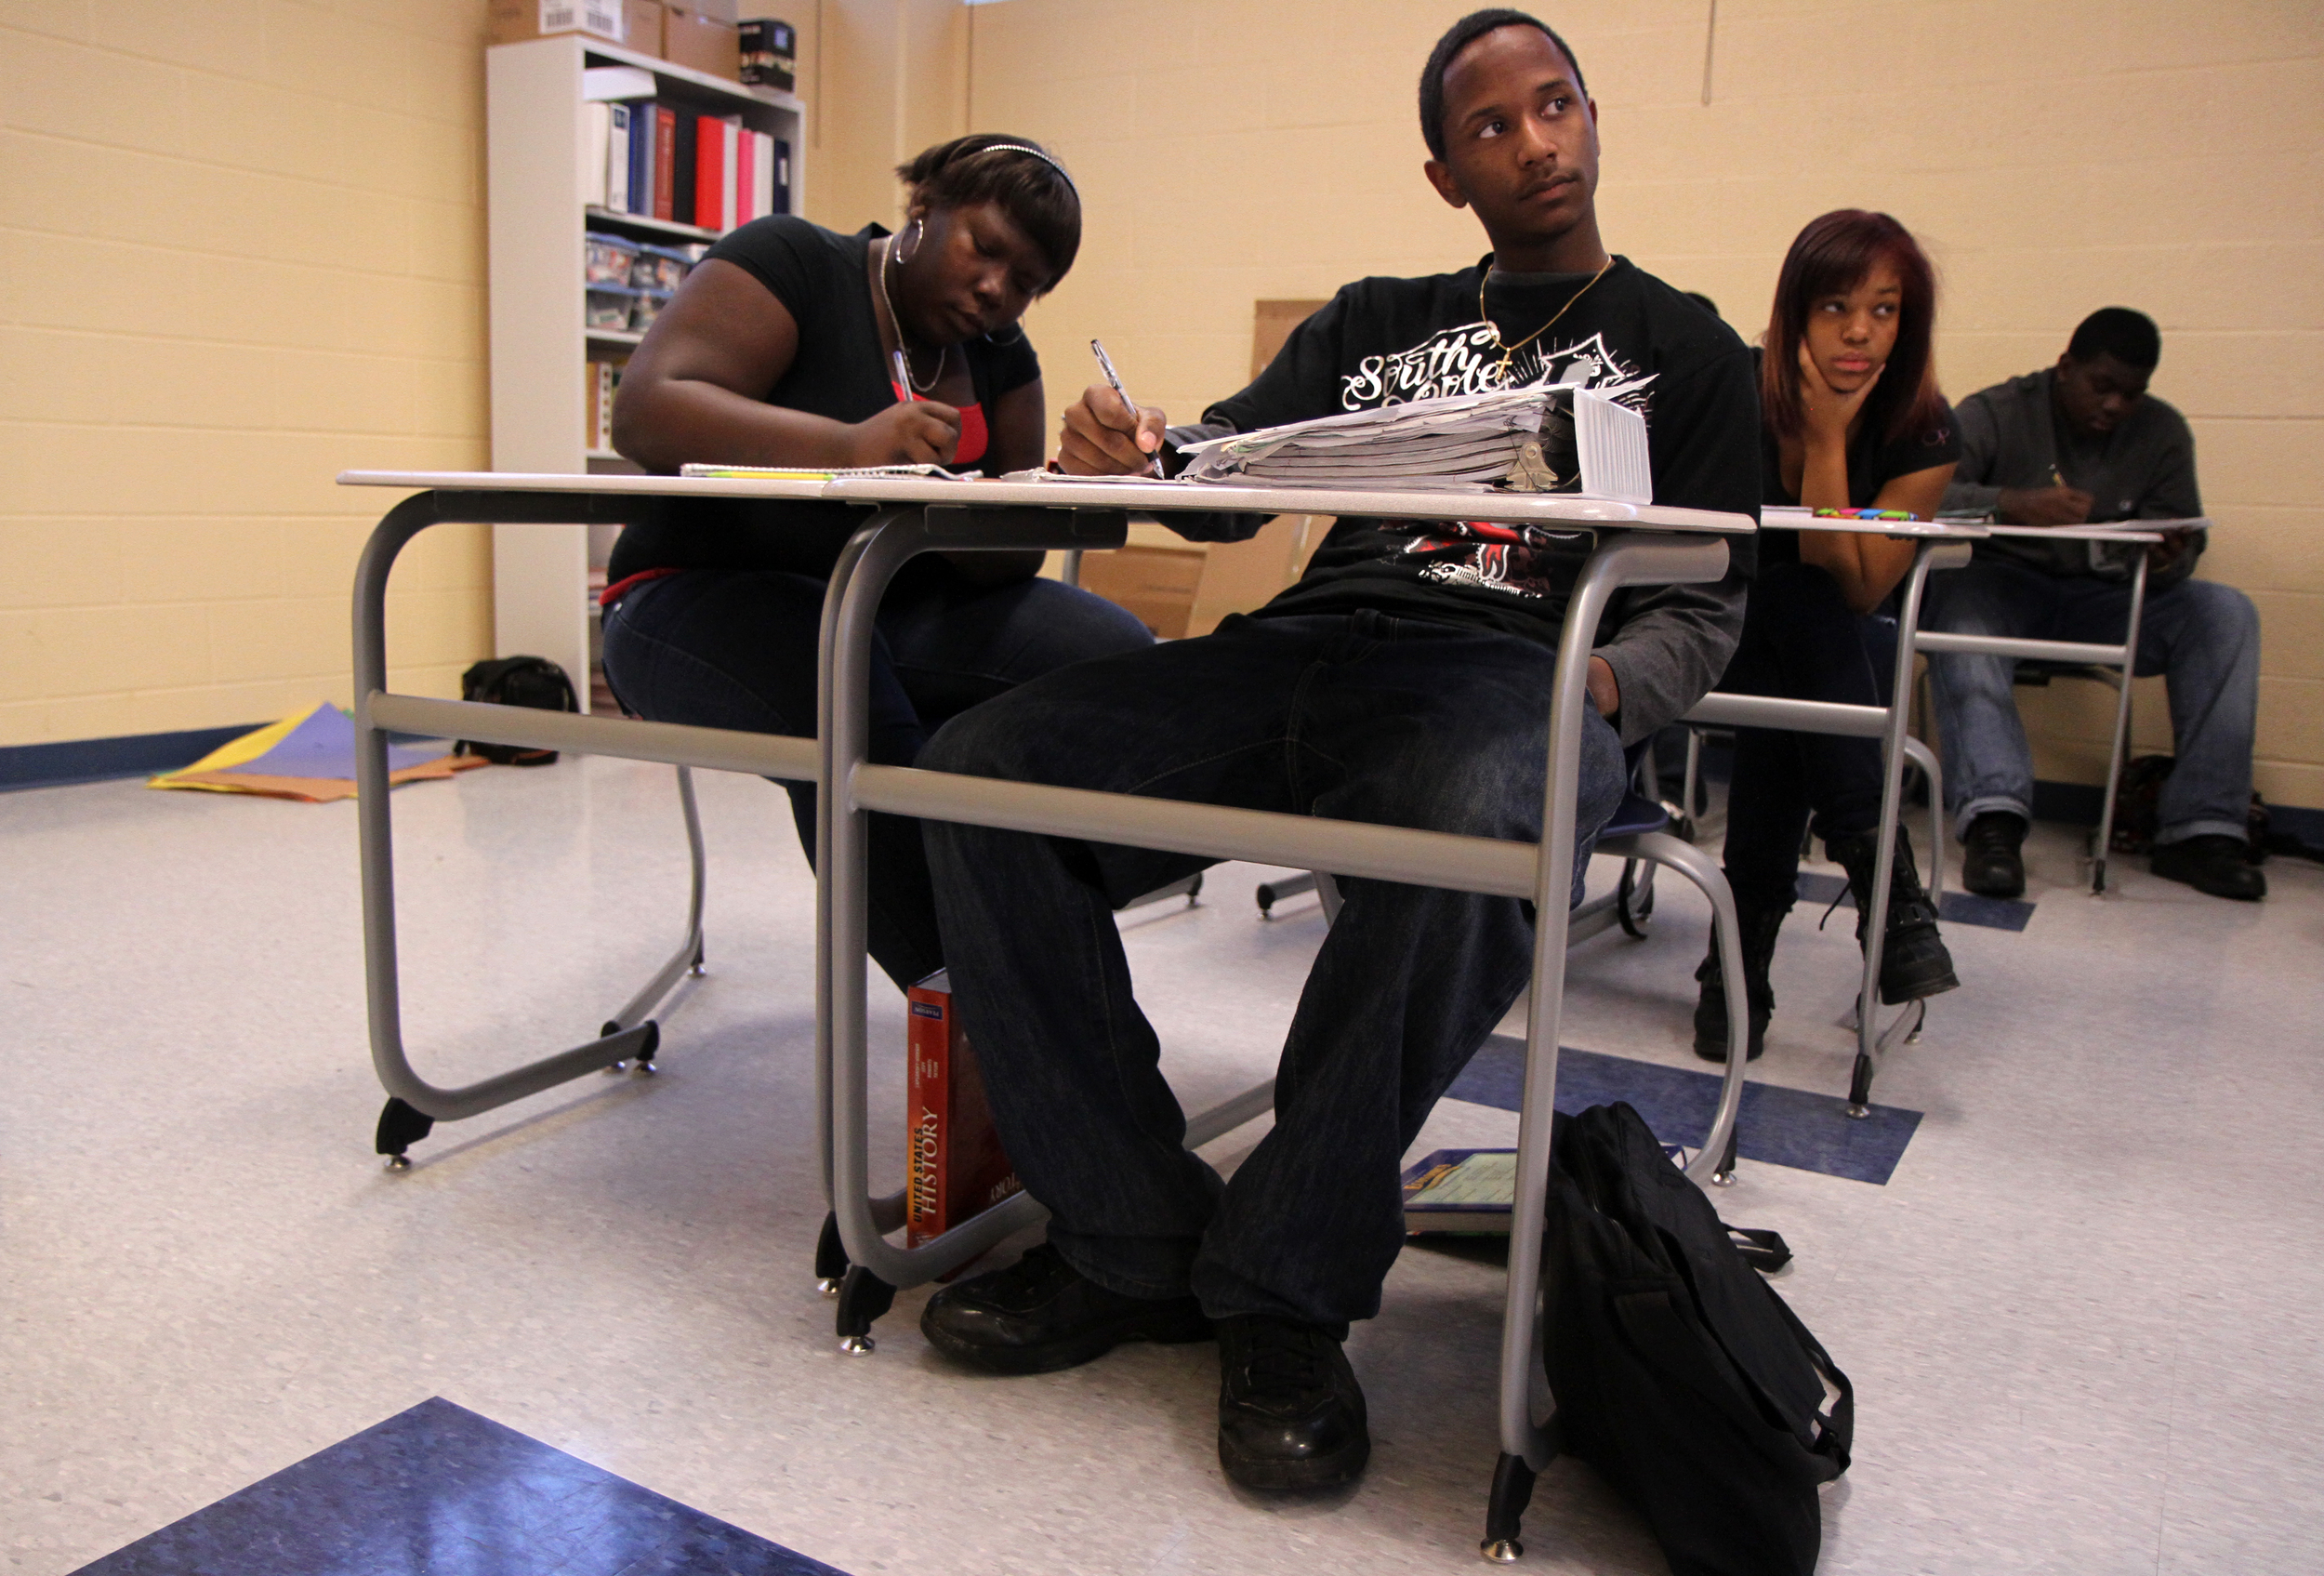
<point x="439" y="1491"/>
<point x="1777" y="1126"/>
<point x="1955" y="908"/>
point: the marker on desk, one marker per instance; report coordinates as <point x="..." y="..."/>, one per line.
<point x="1105" y="364"/>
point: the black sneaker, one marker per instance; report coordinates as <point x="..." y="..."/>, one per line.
<point x="1291" y="1413"/>
<point x="1991" y="863"/>
<point x="1041" y="1314"/>
<point x="2212" y="864"/>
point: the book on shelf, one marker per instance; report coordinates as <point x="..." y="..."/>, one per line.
<point x="602" y="383"/>
<point x="616" y="157"/>
<point x="956" y="1168"/>
<point x="665" y="160"/>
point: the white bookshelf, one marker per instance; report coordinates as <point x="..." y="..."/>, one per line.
<point x="535" y="220"/>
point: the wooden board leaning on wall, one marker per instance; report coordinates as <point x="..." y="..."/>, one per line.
<point x="1178" y="588"/>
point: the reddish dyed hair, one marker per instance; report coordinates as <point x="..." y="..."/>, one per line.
<point x="1832" y="256"/>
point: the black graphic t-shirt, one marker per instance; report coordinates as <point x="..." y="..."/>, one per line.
<point x="1874" y="460"/>
<point x="1629" y="337"/>
<point x="822" y="279"/>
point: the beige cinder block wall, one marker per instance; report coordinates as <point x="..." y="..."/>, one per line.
<point x="2056" y="158"/>
<point x="245" y="249"/>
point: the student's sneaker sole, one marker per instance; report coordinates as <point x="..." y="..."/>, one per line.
<point x="1303" y="1475"/>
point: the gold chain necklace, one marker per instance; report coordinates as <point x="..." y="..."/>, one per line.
<point x="1510" y="351"/>
<point x="886" y="256"/>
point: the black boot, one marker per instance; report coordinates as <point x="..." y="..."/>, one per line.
<point x="1913" y="960"/>
<point x="1757" y="927"/>
<point x="1992" y="863"/>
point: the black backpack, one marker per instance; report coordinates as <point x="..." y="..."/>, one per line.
<point x="1679" y="1373"/>
<point x="517" y="680"/>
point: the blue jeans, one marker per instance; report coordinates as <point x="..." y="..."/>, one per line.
<point x="1359" y="717"/>
<point x="737" y="648"/>
<point x="2203" y="638"/>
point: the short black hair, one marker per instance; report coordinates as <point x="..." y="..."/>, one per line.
<point x="1031" y="188"/>
<point x="1462" y="34"/>
<point x="2128" y="336"/>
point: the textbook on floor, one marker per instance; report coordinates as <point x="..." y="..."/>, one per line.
<point x="955" y="1167"/>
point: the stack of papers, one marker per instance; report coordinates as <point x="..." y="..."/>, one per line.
<point x="1536" y="439"/>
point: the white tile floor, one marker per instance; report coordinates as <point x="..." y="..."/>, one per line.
<point x="2084" y="1319"/>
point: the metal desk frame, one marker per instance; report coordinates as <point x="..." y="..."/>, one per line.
<point x="1940" y="545"/>
<point x="2123" y="656"/>
<point x="1637" y="545"/>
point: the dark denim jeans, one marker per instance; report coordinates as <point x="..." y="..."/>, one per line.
<point x="1801" y="642"/>
<point x="2202" y="637"/>
<point x="1359" y="717"/>
<point x="737" y="648"/>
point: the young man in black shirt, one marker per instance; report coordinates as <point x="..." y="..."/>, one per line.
<point x="1405" y="680"/>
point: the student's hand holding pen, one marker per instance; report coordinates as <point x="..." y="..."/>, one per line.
<point x="923" y="432"/>
<point x="1101" y="439"/>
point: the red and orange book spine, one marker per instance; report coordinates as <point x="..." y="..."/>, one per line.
<point x="664" y="161"/>
<point x="957" y="1168"/>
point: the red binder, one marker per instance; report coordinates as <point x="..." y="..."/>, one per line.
<point x="710" y="173"/>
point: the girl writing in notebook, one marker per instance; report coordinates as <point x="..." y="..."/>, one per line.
<point x="1851" y="418"/>
<point x="793" y="345"/>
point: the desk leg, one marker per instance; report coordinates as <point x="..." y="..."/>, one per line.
<point x="1871" y="1040"/>
<point x="415" y="1105"/>
<point x="1526" y="1445"/>
<point x="2120" y="752"/>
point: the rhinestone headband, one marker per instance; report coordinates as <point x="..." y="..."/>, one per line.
<point x="1046" y="158"/>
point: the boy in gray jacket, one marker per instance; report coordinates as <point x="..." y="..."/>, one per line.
<point x="2084" y="442"/>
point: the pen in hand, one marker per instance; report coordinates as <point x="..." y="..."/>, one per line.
<point x="903" y="373"/>
<point x="1105" y="364"/>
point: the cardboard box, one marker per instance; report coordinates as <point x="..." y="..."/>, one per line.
<point x="691" y="37"/>
<point x="644" y="27"/>
<point x="633" y="24"/>
<point x="513" y="22"/>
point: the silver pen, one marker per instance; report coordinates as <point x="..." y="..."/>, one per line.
<point x="1105" y="364"/>
<point x="903" y="374"/>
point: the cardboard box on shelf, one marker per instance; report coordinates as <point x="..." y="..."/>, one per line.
<point x="633" y="24"/>
<point x="513" y="22"/>
<point x="644" y="26"/>
<point x="690" y="36"/>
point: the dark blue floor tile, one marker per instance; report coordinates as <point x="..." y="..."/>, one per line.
<point x="1777" y="1126"/>
<point x="1817" y="890"/>
<point x="439" y="1491"/>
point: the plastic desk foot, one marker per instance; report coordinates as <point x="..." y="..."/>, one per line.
<point x="1269" y="893"/>
<point x="401" y="1126"/>
<point x="642" y="1064"/>
<point x="831" y="1265"/>
<point x="1724" y="1175"/>
<point x="1505" y="1512"/>
<point x="862" y="1297"/>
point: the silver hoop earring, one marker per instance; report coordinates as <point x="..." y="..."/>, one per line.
<point x="908" y="244"/>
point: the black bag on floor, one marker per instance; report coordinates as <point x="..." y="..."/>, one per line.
<point x="517" y="680"/>
<point x="1680" y="1374"/>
